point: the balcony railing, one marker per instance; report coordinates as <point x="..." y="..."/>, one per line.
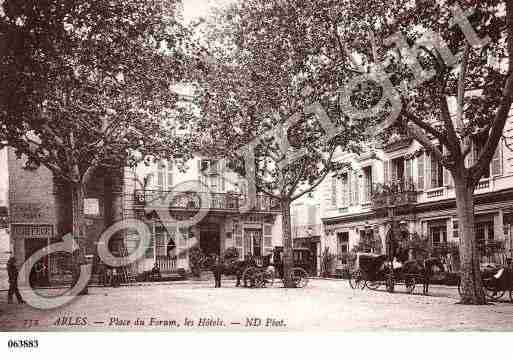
<point x="191" y="201"/>
<point x="394" y="194"/>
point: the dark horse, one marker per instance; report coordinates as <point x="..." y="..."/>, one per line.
<point x="423" y="269"/>
<point x="236" y="266"/>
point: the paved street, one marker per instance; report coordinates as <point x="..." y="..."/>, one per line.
<point x="323" y="305"/>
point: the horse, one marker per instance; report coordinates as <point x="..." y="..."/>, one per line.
<point x="423" y="269"/>
<point x="234" y="266"/>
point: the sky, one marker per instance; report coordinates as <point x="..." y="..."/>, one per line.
<point x="195" y="8"/>
<point x="198" y="8"/>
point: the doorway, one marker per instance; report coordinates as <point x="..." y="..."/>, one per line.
<point x="210" y="240"/>
<point x="253" y="242"/>
<point x="39" y="275"/>
<point x="313" y="258"/>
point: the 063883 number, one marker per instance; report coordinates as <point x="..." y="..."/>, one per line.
<point x="23" y="343"/>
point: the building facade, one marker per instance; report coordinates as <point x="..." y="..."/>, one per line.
<point x="306" y="228"/>
<point x="400" y="190"/>
<point x="212" y="216"/>
<point x="203" y="205"/>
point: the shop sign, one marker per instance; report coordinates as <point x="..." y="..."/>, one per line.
<point x="32" y="230"/>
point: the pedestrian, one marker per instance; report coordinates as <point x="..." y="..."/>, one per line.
<point x="218" y="270"/>
<point x="12" y="272"/>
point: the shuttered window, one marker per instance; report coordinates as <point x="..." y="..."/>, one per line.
<point x="386" y="171"/>
<point x="350" y="188"/>
<point x="497" y="162"/>
<point x="356" y="189"/>
<point x="428" y="170"/>
<point x="268" y="238"/>
<point x="345" y="191"/>
<point x="420" y="172"/>
<point x="334" y="192"/>
<point x="434" y="172"/>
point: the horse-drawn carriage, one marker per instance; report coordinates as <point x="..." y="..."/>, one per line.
<point x="375" y="270"/>
<point x="497" y="280"/>
<point x="263" y="274"/>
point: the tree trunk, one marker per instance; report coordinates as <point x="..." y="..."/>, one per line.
<point x="114" y="205"/>
<point x="471" y="285"/>
<point x="288" y="258"/>
<point x="77" y="204"/>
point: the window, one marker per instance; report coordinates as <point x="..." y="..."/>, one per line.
<point x="455" y="231"/>
<point x="209" y="167"/>
<point x="437" y="173"/>
<point x="484" y="234"/>
<point x="312" y="214"/>
<point x="495" y="167"/>
<point x="420" y="172"/>
<point x="398" y="169"/>
<point x="345" y="190"/>
<point x="333" y="191"/>
<point x="355" y="189"/>
<point x="164" y="175"/>
<point x="367" y="189"/>
<point x="438" y="233"/>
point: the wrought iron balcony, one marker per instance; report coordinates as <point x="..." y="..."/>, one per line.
<point x="193" y="201"/>
<point x="394" y="194"/>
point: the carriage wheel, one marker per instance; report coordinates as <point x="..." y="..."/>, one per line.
<point x="459" y="288"/>
<point x="372" y="285"/>
<point x="299" y="277"/>
<point x="248" y="275"/>
<point x="511" y="295"/>
<point x="491" y="291"/>
<point x="410" y="284"/>
<point x="258" y="279"/>
<point x="355" y="279"/>
<point x="494" y="294"/>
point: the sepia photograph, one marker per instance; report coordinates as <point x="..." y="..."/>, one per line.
<point x="255" y="166"/>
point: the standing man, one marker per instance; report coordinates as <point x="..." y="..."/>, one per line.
<point x="218" y="270"/>
<point x="12" y="271"/>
